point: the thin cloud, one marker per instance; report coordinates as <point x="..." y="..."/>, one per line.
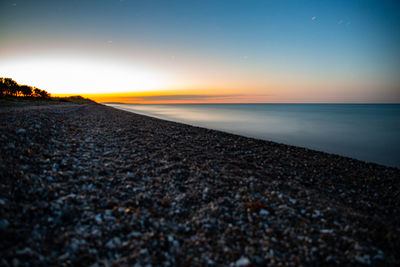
<point x="340" y="22"/>
<point x="194" y="98"/>
<point x="178" y="97"/>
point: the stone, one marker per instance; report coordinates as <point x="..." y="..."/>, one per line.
<point x="21" y="131"/>
<point x="242" y="262"/>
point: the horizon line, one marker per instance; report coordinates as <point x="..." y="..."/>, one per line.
<point x="257" y="103"/>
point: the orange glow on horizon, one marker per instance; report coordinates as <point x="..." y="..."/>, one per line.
<point x="174" y="97"/>
<point x="208" y="96"/>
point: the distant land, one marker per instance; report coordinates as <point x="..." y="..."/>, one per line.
<point x="11" y="91"/>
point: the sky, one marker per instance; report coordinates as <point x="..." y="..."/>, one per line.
<point x="148" y="51"/>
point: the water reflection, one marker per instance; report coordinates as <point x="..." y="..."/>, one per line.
<point x="366" y="132"/>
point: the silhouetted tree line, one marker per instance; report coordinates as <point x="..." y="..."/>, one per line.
<point x="9" y="87"/>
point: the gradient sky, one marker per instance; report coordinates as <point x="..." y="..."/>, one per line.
<point x="205" y="51"/>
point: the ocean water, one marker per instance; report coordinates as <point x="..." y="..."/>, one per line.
<point x="369" y="132"/>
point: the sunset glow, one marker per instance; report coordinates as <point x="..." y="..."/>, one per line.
<point x="80" y="75"/>
<point x="236" y="52"/>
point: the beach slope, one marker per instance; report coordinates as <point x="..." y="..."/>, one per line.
<point x="85" y="184"/>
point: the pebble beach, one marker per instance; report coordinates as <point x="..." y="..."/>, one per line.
<point x="90" y="185"/>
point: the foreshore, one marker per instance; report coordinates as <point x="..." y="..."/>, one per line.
<point x="85" y="184"/>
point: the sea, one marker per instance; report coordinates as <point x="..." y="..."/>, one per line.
<point x="368" y="132"/>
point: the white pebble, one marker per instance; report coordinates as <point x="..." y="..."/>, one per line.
<point x="243" y="261"/>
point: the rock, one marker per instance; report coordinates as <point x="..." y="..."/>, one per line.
<point x="316" y="214"/>
<point x="264" y="212"/>
<point x="4" y="224"/>
<point x="15" y="262"/>
<point x="113" y="243"/>
<point x="25" y="251"/>
<point x="243" y="261"/>
<point x="21" y="131"/>
<point x="134" y="234"/>
<point x="130" y="175"/>
<point x="364" y="259"/>
<point x="98" y="218"/>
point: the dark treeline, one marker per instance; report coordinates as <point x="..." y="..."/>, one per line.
<point x="9" y="87"/>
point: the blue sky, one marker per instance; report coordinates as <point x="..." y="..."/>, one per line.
<point x="256" y="46"/>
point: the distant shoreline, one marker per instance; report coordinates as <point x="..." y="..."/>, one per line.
<point x="283" y="103"/>
<point x="330" y="128"/>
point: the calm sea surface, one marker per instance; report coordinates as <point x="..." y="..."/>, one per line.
<point x="369" y="132"/>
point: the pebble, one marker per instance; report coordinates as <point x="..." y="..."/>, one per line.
<point x="264" y="212"/>
<point x="243" y="261"/>
<point x="364" y="259"/>
<point x="113" y="243"/>
<point x="4" y="224"/>
<point x="15" y="262"/>
<point x="78" y="191"/>
<point x="21" y="131"/>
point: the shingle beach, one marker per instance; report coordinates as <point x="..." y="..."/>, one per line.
<point x="91" y="185"/>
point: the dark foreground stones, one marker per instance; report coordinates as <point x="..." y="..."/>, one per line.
<point x="91" y="185"/>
